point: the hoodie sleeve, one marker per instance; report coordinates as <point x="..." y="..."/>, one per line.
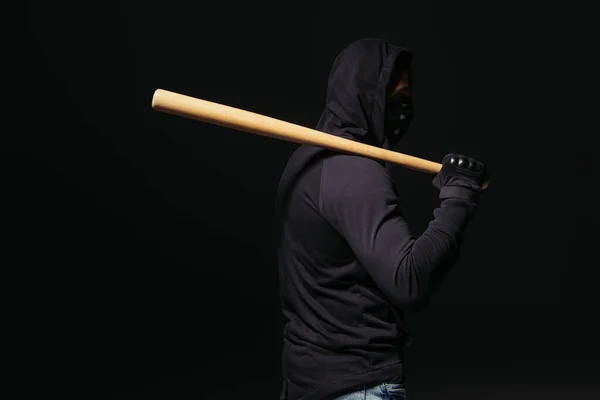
<point x="359" y="199"/>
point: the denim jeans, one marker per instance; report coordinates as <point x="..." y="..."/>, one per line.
<point x="383" y="391"/>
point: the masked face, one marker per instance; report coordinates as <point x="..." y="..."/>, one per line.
<point x="398" y="115"/>
<point x="399" y="109"/>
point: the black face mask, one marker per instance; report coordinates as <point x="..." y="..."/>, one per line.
<point x="398" y="115"/>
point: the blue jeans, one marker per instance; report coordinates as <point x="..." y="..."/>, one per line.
<point x="383" y="391"/>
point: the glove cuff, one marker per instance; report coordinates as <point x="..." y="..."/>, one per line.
<point x="459" y="192"/>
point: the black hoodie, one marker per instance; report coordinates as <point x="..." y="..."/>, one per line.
<point x="348" y="262"/>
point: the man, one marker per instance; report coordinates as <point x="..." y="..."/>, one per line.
<point x="348" y="262"/>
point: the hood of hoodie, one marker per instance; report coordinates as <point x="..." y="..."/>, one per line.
<point x="355" y="105"/>
<point x="356" y="91"/>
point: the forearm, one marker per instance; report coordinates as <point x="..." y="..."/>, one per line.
<point x="427" y="261"/>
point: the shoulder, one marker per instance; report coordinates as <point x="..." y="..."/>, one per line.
<point x="355" y="170"/>
<point x="349" y="176"/>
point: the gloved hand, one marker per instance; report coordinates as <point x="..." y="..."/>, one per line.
<point x="461" y="177"/>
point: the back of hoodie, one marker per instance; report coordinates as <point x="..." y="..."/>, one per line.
<point x="348" y="262"/>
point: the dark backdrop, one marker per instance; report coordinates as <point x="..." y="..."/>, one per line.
<point x="138" y="247"/>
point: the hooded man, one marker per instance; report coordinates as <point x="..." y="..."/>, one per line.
<point x="348" y="262"/>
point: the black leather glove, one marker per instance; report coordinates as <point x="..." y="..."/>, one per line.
<point x="460" y="177"/>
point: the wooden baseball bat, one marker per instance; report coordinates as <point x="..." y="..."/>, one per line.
<point x="246" y="121"/>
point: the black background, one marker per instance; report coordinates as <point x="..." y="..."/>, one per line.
<point x="138" y="247"/>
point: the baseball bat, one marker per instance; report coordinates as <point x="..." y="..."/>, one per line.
<point x="246" y="121"/>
